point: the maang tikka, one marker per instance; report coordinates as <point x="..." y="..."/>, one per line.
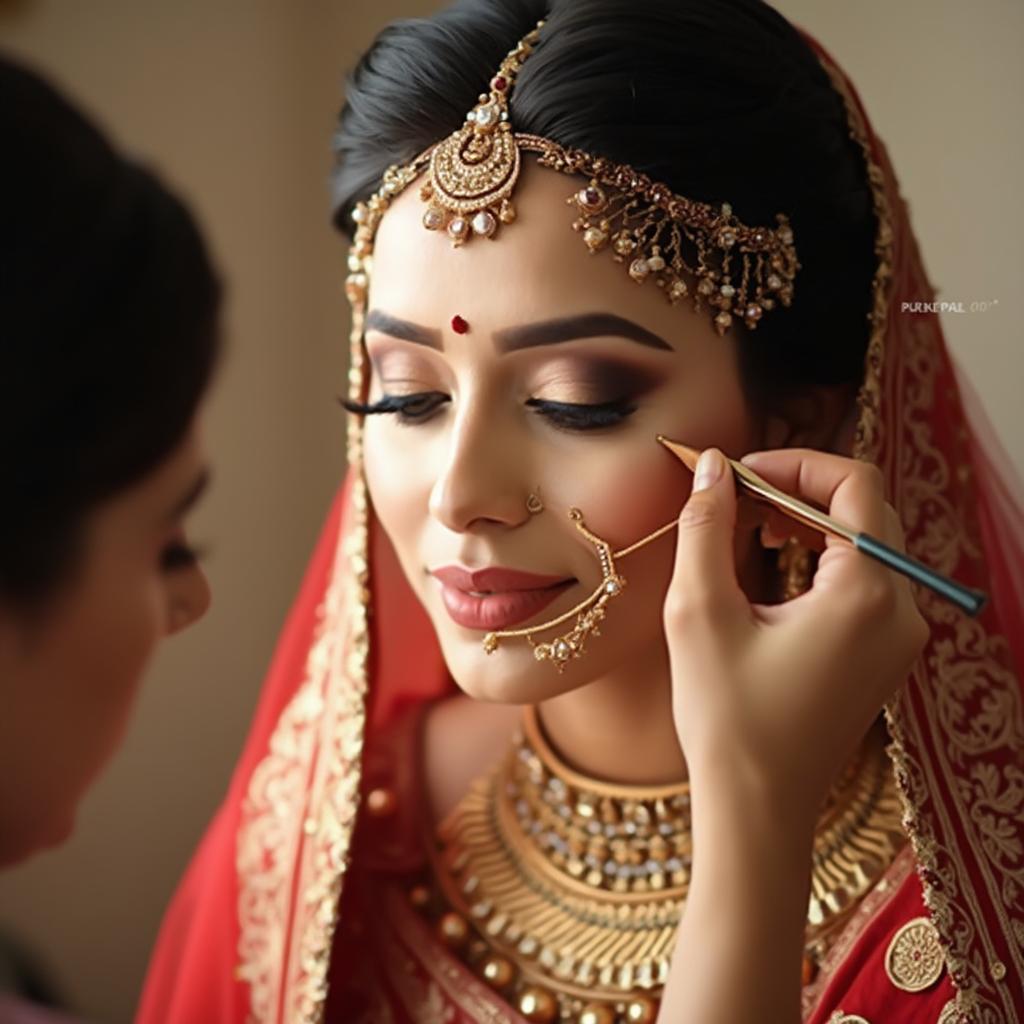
<point x="689" y="248"/>
<point x="677" y="242"/>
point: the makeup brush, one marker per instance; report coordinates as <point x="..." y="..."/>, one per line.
<point x="971" y="601"/>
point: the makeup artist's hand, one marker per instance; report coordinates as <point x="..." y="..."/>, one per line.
<point x="781" y="695"/>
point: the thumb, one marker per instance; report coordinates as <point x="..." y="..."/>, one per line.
<point x="705" y="568"/>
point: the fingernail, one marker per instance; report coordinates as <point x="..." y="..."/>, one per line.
<point x="709" y="469"/>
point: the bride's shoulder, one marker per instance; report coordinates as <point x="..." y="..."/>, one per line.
<point x="462" y="737"/>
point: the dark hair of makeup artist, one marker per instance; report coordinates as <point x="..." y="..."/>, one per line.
<point x="722" y="101"/>
<point x="108" y="329"/>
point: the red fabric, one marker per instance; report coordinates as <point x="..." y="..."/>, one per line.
<point x="961" y="752"/>
<point x="191" y="977"/>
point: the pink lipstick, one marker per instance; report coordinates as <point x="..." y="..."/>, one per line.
<point x="496" y="598"/>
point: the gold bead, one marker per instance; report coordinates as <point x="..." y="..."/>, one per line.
<point x="419" y="896"/>
<point x="453" y="929"/>
<point x="641" y="1010"/>
<point x="381" y="802"/>
<point x="538" y="1004"/>
<point x="497" y="971"/>
<point x="597" y="1013"/>
<point x="476" y="950"/>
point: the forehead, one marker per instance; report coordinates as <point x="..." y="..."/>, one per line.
<point x="534" y="268"/>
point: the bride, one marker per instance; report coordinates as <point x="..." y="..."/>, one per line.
<point x="557" y="731"/>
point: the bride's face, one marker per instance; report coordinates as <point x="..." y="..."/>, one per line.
<point x="552" y="332"/>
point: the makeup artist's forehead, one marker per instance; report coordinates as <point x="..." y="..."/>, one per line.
<point x="535" y="268"/>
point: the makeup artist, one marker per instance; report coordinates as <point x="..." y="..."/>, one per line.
<point x="108" y="338"/>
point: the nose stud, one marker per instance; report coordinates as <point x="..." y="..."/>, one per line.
<point x="534" y="504"/>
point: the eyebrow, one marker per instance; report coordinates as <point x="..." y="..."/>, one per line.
<point x="543" y="332"/>
<point x="194" y="493"/>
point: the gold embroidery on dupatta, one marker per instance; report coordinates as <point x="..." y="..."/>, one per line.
<point x="271" y="824"/>
<point x="292" y="849"/>
<point x="966" y="697"/>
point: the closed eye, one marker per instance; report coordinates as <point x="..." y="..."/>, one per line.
<point x="418" y="408"/>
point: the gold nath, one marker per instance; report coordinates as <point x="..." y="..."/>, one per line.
<point x="687" y="247"/>
<point x="571" y="644"/>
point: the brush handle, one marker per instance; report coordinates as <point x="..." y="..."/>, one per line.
<point x="971" y="601"/>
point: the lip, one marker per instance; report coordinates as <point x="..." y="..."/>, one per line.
<point x="494" y="577"/>
<point x="518" y="595"/>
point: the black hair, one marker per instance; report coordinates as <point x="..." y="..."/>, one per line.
<point x="722" y="100"/>
<point x="108" y="328"/>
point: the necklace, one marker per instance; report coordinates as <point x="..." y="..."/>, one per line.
<point x="564" y="893"/>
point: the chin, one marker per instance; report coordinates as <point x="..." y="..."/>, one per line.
<point x="511" y="674"/>
<point x="18" y="848"/>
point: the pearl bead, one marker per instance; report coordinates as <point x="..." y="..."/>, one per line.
<point x="453" y="929"/>
<point x="381" y="802"/>
<point x="641" y="1010"/>
<point x="484" y="223"/>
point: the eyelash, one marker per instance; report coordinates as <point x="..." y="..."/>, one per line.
<point x="564" y="415"/>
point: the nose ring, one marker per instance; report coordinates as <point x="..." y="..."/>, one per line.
<point x="534" y="504"/>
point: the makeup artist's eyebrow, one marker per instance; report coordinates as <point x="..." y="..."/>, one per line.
<point x="192" y="496"/>
<point x="569" y="328"/>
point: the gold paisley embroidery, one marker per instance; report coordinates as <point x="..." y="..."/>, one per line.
<point x="271" y="825"/>
<point x="957" y="725"/>
<point x="300" y="810"/>
<point x="335" y="787"/>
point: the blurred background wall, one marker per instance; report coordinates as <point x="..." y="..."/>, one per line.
<point x="234" y="101"/>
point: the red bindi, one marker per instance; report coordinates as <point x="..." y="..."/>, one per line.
<point x="459" y="326"/>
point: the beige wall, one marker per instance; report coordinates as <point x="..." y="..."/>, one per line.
<point x="234" y="100"/>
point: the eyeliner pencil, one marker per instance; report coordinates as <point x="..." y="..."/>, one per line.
<point x="971" y="601"/>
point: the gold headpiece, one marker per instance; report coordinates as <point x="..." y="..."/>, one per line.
<point x="680" y="243"/>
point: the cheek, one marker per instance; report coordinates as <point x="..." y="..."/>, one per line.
<point x="70" y="704"/>
<point x="105" y="649"/>
<point x="397" y="488"/>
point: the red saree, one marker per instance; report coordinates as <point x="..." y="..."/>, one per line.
<point x="292" y="909"/>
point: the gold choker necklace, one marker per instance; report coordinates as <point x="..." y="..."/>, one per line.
<point x="564" y="892"/>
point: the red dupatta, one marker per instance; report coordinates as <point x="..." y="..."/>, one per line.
<point x="249" y="934"/>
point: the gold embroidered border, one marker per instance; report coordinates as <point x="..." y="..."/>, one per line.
<point x="300" y="813"/>
<point x="885" y="889"/>
<point x="964" y="661"/>
<point x="272" y="820"/>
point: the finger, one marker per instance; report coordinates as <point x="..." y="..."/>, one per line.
<point x="851" y="490"/>
<point x="705" y="568"/>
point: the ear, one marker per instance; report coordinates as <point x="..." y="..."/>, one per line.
<point x="822" y="418"/>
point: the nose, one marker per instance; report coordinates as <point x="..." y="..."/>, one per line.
<point x="188" y="598"/>
<point x="482" y="478"/>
